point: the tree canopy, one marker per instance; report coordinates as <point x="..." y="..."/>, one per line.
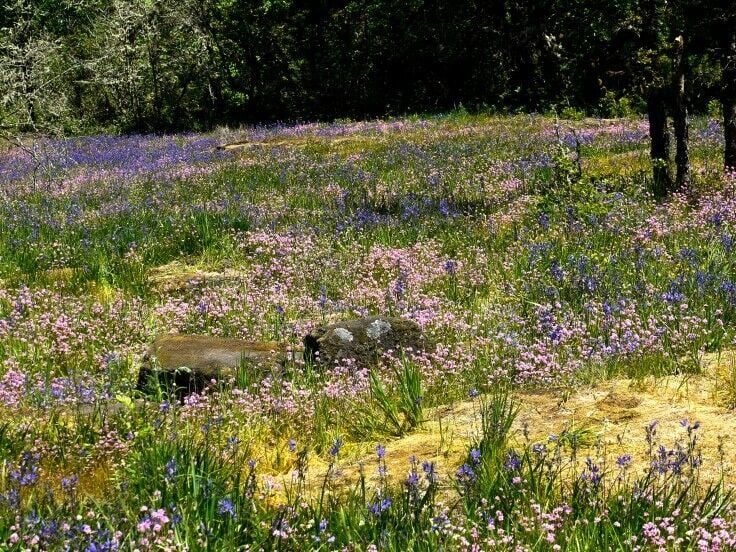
<point x="148" y="65"/>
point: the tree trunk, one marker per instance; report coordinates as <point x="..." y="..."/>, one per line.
<point x="656" y="101"/>
<point x="728" y="99"/>
<point x="680" y="116"/>
<point x="660" y="142"/>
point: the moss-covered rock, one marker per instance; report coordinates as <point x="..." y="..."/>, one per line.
<point x="191" y="361"/>
<point x="364" y="340"/>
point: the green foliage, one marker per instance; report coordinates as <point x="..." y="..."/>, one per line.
<point x="715" y="110"/>
<point x="572" y="114"/>
<point x="212" y="490"/>
<point x="394" y="409"/>
<point x="483" y="474"/>
<point x="618" y="107"/>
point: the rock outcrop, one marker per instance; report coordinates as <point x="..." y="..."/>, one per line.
<point x="364" y="340"/>
<point x="190" y="362"/>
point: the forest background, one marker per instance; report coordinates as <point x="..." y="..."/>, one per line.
<point x="89" y="66"/>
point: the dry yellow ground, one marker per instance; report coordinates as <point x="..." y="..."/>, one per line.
<point x="610" y="419"/>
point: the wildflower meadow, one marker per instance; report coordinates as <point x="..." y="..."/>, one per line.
<point x="578" y="393"/>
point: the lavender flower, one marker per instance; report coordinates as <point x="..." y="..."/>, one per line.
<point x="623" y="461"/>
<point x="381" y="506"/>
<point x="380" y="451"/>
<point x="336" y="446"/>
<point x="226" y="506"/>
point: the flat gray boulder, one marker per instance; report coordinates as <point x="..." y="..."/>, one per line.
<point x="190" y="362"/>
<point x="363" y="339"/>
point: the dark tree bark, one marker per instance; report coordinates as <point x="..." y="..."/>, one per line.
<point x="656" y="101"/>
<point x="728" y="99"/>
<point x="660" y="142"/>
<point x="682" y="161"/>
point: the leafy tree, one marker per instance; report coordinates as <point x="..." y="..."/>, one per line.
<point x="151" y="65"/>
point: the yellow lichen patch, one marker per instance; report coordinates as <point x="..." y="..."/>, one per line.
<point x="102" y="291"/>
<point x="210" y="355"/>
<point x="621" y="164"/>
<point x="59" y="276"/>
<point x="295" y="141"/>
<point x="606" y="421"/>
<point x="177" y="276"/>
<point x="357" y="145"/>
